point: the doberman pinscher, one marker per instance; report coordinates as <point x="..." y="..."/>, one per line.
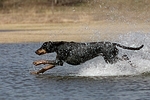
<point x="75" y="53"/>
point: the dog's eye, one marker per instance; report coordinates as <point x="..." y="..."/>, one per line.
<point x="45" y="44"/>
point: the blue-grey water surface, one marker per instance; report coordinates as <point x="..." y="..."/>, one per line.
<point x="73" y="82"/>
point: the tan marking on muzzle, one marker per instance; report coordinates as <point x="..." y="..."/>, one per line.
<point x="41" y="51"/>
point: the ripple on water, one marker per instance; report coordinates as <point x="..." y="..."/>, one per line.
<point x="92" y="80"/>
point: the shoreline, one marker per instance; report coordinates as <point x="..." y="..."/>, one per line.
<point x="79" y="32"/>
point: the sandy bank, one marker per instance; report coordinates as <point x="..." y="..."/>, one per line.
<point x="90" y="31"/>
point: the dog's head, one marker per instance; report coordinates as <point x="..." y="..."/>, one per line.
<point x="47" y="47"/>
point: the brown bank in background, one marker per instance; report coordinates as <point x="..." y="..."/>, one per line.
<point x="71" y="20"/>
<point x="92" y="31"/>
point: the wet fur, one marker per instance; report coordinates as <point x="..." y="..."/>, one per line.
<point x="75" y="53"/>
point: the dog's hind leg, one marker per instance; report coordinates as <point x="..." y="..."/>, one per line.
<point x="43" y="69"/>
<point x="125" y="58"/>
<point x="112" y="60"/>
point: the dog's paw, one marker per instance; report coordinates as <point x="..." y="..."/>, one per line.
<point x="39" y="62"/>
<point x="36" y="63"/>
<point x="34" y="73"/>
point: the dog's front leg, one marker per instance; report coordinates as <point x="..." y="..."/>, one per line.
<point x="39" y="62"/>
<point x="43" y="69"/>
<point x="51" y="65"/>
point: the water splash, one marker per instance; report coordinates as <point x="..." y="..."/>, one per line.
<point x="141" y="59"/>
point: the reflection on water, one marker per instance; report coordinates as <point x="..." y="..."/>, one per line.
<point x="93" y="80"/>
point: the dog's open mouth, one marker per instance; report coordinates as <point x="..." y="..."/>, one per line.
<point x="40" y="52"/>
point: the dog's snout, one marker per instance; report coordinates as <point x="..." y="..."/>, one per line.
<point x="40" y="51"/>
<point x="36" y="51"/>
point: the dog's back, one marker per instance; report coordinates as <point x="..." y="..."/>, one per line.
<point x="76" y="53"/>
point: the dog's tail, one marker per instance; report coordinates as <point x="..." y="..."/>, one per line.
<point x="129" y="48"/>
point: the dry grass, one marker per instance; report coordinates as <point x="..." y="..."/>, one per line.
<point x="40" y="11"/>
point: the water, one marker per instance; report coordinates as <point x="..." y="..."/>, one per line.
<point x="93" y="80"/>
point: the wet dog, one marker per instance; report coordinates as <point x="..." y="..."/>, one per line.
<point x="76" y="53"/>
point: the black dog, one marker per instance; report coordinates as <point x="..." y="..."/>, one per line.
<point x="75" y="53"/>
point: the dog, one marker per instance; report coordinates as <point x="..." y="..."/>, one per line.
<point x="76" y="53"/>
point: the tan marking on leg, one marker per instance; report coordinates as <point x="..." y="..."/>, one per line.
<point x="43" y="69"/>
<point x="39" y="62"/>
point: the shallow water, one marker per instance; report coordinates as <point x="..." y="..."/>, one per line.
<point x="93" y="80"/>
